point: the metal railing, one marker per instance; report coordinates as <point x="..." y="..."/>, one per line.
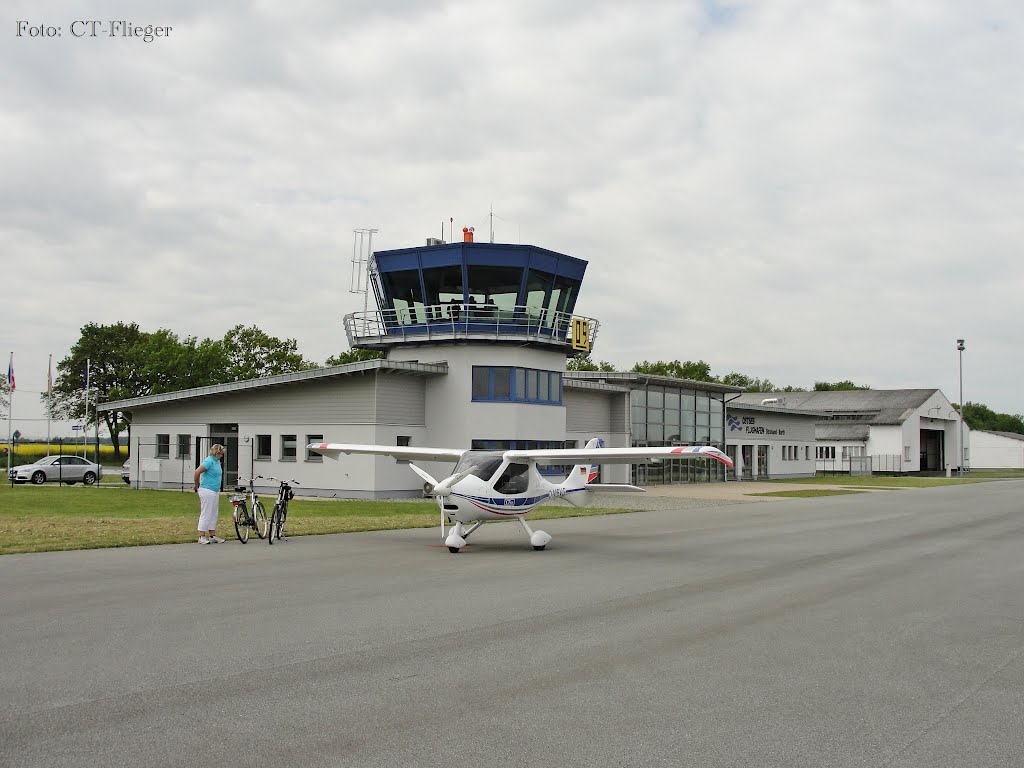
<point x="467" y="321"/>
<point x="889" y="463"/>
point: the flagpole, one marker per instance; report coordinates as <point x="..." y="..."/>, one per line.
<point x="85" y="410"/>
<point x="10" y="411"/>
<point x="49" y="401"/>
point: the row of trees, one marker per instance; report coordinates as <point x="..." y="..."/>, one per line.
<point x="701" y="371"/>
<point x="125" y="362"/>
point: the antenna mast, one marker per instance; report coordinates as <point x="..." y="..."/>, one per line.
<point x="362" y="250"/>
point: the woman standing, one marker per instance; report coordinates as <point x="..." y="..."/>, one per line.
<point x="206" y="482"/>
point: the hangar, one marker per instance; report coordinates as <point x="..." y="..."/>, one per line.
<point x="872" y="430"/>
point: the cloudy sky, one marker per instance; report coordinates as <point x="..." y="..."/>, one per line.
<point x="798" y="190"/>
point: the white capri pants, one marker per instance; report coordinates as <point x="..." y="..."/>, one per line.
<point x="209" y="502"/>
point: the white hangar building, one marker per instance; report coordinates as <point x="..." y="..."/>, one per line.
<point x="900" y="430"/>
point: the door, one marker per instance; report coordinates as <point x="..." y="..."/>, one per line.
<point x="762" y="462"/>
<point x="747" y="451"/>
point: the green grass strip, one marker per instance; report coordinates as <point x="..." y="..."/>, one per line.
<point x="49" y="517"/>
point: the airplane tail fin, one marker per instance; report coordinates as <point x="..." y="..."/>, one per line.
<point x="582" y="474"/>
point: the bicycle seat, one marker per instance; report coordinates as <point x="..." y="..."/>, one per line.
<point x="240" y="489"/>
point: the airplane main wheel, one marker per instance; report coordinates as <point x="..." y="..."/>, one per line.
<point x="453" y="550"/>
<point x="538" y="549"/>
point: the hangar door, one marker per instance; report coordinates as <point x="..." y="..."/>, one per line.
<point x="933" y="457"/>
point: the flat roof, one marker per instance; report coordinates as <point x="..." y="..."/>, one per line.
<point x="628" y="377"/>
<point x="349" y="369"/>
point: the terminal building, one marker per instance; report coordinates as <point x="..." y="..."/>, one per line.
<point x="475" y="338"/>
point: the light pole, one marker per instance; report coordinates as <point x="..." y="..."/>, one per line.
<point x="960" y="460"/>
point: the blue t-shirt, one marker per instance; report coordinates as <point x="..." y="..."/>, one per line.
<point x="211" y="477"/>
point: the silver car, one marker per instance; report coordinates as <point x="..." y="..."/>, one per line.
<point x="67" y="469"/>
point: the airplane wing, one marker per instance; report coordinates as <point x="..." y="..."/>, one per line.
<point x="405" y="453"/>
<point x="619" y="455"/>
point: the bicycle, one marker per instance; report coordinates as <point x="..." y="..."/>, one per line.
<point x="280" y="512"/>
<point x="245" y="520"/>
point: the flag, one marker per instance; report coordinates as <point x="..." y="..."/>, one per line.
<point x="10" y="373"/>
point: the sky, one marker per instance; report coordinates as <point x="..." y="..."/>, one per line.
<point x="797" y="190"/>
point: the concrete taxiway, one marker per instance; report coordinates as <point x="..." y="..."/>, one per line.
<point x="881" y="629"/>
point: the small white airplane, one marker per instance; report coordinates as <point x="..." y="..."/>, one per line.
<point x="500" y="485"/>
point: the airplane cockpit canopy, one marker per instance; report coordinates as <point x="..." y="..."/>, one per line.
<point x="482" y="464"/>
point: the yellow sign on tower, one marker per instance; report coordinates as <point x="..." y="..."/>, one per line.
<point x="581" y="334"/>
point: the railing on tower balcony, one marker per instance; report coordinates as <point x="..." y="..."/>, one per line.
<point x="445" y="322"/>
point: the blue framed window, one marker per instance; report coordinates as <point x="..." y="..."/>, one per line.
<point x="507" y="384"/>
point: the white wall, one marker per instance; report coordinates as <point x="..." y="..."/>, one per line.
<point x="991" y="451"/>
<point x="454" y="420"/>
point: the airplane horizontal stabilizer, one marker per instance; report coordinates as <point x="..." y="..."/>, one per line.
<point x="614" y="488"/>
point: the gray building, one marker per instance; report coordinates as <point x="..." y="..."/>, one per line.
<point x="475" y="338"/>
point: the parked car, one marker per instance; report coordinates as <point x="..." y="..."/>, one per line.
<point x="67" y="469"/>
<point x="126" y="471"/>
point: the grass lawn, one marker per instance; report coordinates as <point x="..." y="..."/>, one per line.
<point x="50" y="517"/>
<point x="891" y="482"/>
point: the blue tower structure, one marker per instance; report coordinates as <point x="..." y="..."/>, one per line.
<point x="470" y="291"/>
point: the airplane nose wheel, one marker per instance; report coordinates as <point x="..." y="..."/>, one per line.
<point x="455" y="539"/>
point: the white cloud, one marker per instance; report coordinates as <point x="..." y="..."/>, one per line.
<point x="792" y="190"/>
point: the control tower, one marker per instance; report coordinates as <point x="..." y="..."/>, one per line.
<point x="501" y="317"/>
<point x="504" y="294"/>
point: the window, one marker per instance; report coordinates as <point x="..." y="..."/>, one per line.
<point x="262" y="447"/>
<point x="481" y="383"/>
<point x="403" y="440"/>
<point x="184" y="446"/>
<point x="163" y="446"/>
<point x="288" y="448"/>
<point x="515" y="479"/>
<point x="311" y="455"/>
<point x="516" y="385"/>
<point x="906" y="453"/>
<point x="807" y="453"/>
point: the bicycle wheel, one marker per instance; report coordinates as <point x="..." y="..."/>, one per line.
<point x="273" y="522"/>
<point x="241" y="515"/>
<point x="259" y="515"/>
<point x="282" y="517"/>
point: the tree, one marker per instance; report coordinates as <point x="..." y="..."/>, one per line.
<point x="354" y="356"/>
<point x="252" y="354"/>
<point x="5" y="397"/>
<point x="114" y="374"/>
<point x="839" y="386"/>
<point x="979" y="416"/>
<point x="695" y="371"/>
<point x="582" y="362"/>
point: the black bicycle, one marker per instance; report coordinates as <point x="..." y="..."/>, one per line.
<point x="245" y="519"/>
<point x="279" y="514"/>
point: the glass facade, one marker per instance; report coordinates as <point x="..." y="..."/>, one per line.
<point x="665" y="415"/>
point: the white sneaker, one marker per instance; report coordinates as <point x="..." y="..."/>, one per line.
<point x="216" y="540"/>
<point x="203" y="540"/>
